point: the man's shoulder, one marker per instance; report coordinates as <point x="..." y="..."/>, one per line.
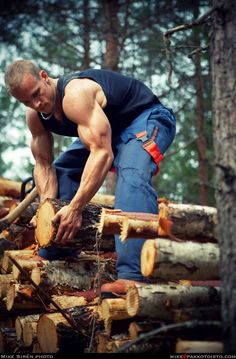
<point x="30" y="113"/>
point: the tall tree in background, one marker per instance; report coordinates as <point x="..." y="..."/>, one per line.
<point x="123" y="35"/>
<point x="223" y="52"/>
<point x="111" y="34"/>
<point x="200" y="118"/>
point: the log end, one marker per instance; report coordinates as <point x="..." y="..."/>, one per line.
<point x="132" y="301"/>
<point x="148" y="258"/>
<point x="10" y="298"/>
<point x="47" y="332"/>
<point x="45" y="231"/>
<point x="18" y="328"/>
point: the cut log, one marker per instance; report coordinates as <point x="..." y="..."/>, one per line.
<point x="169" y="260"/>
<point x="157" y="301"/>
<point x="103" y="200"/>
<point x="113" y="309"/>
<point x="190" y="221"/>
<point x="8" y="202"/>
<point x="186" y="346"/>
<point x="47" y="333"/>
<point x="26" y="328"/>
<point x="105" y="344"/>
<point x="5" y="282"/>
<point x="68" y="301"/>
<point x="128" y="224"/>
<point x="138" y="328"/>
<point x="7" y="264"/>
<point x="11" y="188"/>
<point x="78" y="274"/>
<point x="212" y="312"/>
<point x="21" y="237"/>
<point x="29" y="212"/>
<point x="36" y="348"/>
<point x="86" y="237"/>
<point x="55" y="334"/>
<point x="22" y="297"/>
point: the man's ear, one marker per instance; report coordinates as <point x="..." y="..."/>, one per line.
<point x="43" y="74"/>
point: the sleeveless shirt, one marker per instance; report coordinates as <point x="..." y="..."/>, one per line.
<point x="126" y="99"/>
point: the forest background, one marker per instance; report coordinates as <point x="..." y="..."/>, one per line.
<point x="124" y="36"/>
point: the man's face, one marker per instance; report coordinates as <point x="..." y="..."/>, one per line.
<point x="36" y="93"/>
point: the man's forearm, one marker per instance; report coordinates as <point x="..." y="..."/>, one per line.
<point x="46" y="181"/>
<point x="95" y="171"/>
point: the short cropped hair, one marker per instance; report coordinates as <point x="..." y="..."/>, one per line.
<point x="15" y="72"/>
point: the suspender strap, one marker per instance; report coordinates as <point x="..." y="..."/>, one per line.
<point x="151" y="147"/>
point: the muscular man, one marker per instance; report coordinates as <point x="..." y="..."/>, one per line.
<point x="119" y="123"/>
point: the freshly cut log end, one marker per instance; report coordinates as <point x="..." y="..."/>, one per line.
<point x="132" y="300"/>
<point x="47" y="332"/>
<point x="165" y="259"/>
<point x="45" y="230"/>
<point x="18" y="327"/>
<point x="11" y="293"/>
<point x="114" y="309"/>
<point x="110" y="221"/>
<point x="148" y="258"/>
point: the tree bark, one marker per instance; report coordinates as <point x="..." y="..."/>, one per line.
<point x="223" y="63"/>
<point x="168" y="260"/>
<point x="200" y="313"/>
<point x="157" y="301"/>
<point x="79" y="274"/>
<point x="128" y="224"/>
<point x="86" y="237"/>
<point x="106" y="200"/>
<point x="191" y="221"/>
<point x="200" y="118"/>
<point x="111" y="28"/>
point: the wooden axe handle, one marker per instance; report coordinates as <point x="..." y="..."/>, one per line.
<point x="6" y="221"/>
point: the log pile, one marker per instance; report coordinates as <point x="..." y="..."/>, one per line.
<point x="171" y="314"/>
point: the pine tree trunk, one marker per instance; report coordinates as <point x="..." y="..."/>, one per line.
<point x="223" y="63"/>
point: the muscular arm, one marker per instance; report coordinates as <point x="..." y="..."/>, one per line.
<point x="42" y="149"/>
<point x="81" y="105"/>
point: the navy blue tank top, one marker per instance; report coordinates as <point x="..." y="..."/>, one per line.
<point x="126" y="99"/>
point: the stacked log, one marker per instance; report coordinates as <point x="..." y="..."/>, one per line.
<point x="189" y="251"/>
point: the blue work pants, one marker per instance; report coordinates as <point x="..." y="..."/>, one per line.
<point x="135" y="168"/>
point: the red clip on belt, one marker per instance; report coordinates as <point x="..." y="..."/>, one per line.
<point x="151" y="147"/>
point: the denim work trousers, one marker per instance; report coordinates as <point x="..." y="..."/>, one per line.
<point x="134" y="191"/>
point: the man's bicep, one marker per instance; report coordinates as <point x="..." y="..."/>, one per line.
<point x="96" y="132"/>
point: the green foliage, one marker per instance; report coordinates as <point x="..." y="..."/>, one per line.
<point x="63" y="36"/>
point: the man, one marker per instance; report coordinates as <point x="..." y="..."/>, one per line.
<point x="119" y="123"/>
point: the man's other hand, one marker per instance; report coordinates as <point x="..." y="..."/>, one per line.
<point x="69" y="221"/>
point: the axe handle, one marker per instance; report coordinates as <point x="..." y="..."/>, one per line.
<point x="18" y="210"/>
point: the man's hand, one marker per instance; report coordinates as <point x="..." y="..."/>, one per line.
<point x="69" y="221"/>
